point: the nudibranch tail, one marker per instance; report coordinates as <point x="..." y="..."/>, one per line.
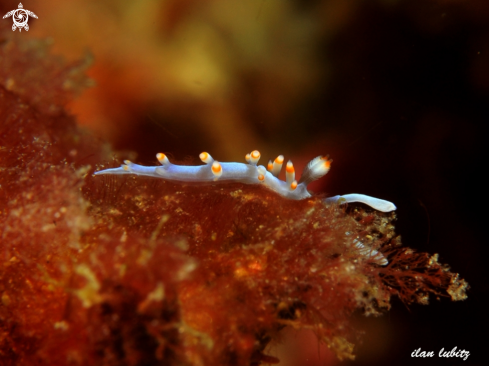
<point x="376" y="203"/>
<point x="250" y="173"/>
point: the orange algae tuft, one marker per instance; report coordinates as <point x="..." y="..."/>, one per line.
<point x="131" y="270"/>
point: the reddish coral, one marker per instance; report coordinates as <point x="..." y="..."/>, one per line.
<point x="137" y="271"/>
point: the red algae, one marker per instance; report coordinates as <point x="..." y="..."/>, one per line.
<point x="139" y="271"/>
<point x="45" y="81"/>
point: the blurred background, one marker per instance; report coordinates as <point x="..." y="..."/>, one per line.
<point x="395" y="91"/>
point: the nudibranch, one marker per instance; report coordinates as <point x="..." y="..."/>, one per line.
<point x="250" y="173"/>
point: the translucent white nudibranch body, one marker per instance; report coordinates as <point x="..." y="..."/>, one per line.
<point x="250" y="173"/>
